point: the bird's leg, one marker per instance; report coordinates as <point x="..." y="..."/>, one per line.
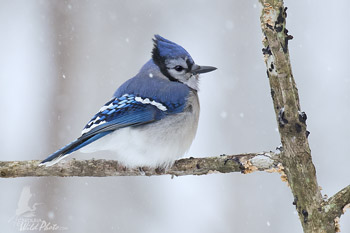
<point x="160" y="170"/>
<point x="142" y="172"/>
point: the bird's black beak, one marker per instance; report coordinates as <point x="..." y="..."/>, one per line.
<point x="196" y="69"/>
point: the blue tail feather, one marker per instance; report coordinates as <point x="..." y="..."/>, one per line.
<point x="71" y="147"/>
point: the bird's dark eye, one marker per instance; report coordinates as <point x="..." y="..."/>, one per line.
<point x="178" y="68"/>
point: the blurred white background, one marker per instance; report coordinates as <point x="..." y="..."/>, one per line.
<point x="60" y="61"/>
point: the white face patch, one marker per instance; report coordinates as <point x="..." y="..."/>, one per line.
<point x="183" y="76"/>
<point x="193" y="82"/>
<point x="171" y="63"/>
<point x="154" y="103"/>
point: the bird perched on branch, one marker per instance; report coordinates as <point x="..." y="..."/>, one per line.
<point x="152" y="118"/>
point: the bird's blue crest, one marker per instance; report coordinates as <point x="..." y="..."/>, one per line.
<point x="164" y="49"/>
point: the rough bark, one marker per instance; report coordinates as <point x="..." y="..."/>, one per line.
<point x="296" y="156"/>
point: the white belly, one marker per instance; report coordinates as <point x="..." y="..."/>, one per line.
<point x="157" y="144"/>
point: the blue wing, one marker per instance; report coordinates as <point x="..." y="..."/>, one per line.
<point x="129" y="107"/>
<point x="127" y="110"/>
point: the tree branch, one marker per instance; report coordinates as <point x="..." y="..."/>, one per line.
<point x="336" y="205"/>
<point x="244" y="163"/>
<point x="296" y="156"/>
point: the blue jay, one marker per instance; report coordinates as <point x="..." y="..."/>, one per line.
<point x="152" y="118"/>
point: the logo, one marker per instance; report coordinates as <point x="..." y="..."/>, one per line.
<point x="26" y="219"/>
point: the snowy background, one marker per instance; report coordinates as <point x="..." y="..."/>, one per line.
<point x="60" y="61"/>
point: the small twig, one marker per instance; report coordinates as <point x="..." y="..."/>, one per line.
<point x="244" y="163"/>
